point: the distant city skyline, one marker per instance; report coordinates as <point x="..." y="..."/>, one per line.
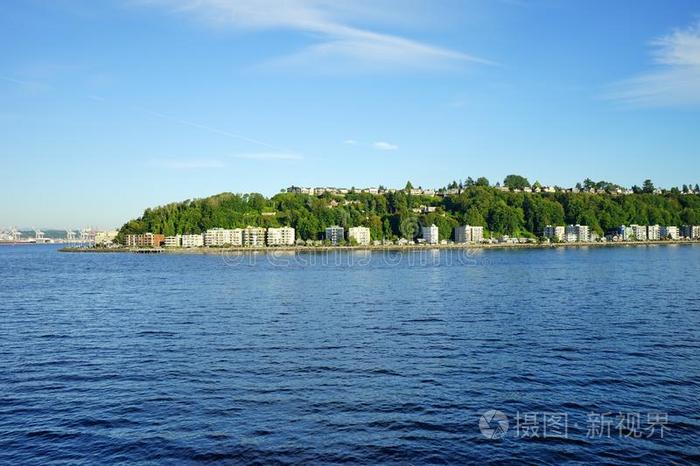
<point x="112" y="107"/>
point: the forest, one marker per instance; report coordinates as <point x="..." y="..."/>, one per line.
<point x="400" y="214"/>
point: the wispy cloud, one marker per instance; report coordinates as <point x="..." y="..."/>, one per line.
<point x="381" y="145"/>
<point x="350" y="142"/>
<point x="269" y="156"/>
<point x="338" y="44"/>
<point x="187" y="164"/>
<point x="675" y="80"/>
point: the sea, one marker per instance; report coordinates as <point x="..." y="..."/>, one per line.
<point x="540" y="356"/>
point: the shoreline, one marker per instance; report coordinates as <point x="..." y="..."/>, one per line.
<point x="390" y="247"/>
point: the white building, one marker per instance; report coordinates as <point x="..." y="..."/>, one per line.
<point x="469" y="234"/>
<point x="283" y="236"/>
<point x="554" y="232"/>
<point x="653" y="232"/>
<point x="360" y="234"/>
<point x="192" y="241"/>
<point x="691" y="231"/>
<point x="253" y="236"/>
<point x="173" y="241"/>
<point x="335" y="234"/>
<point x="638" y="232"/>
<point x="103" y="238"/>
<point x="670" y="232"/>
<point x="577" y="233"/>
<point x="223" y="237"/>
<point x="430" y="234"/>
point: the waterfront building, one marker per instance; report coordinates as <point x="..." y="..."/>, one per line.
<point x="335" y="234"/>
<point x="554" y="232"/>
<point x="104" y="238"/>
<point x="173" y="241"/>
<point x="430" y="234"/>
<point x="222" y="237"/>
<point x="283" y="236"/>
<point x="192" y="241"/>
<point x="670" y="232"/>
<point x="145" y="240"/>
<point x="638" y="232"/>
<point x="577" y="233"/>
<point x="653" y="232"/>
<point x="691" y="231"/>
<point x="253" y="236"/>
<point x="360" y="234"/>
<point x="469" y="234"/>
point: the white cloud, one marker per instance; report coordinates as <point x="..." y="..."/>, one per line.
<point x="675" y="81"/>
<point x="269" y="156"/>
<point x="350" y="142"/>
<point x="187" y="164"/>
<point x="381" y="145"/>
<point x="337" y="44"/>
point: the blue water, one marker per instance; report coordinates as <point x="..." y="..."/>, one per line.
<point x="349" y="358"/>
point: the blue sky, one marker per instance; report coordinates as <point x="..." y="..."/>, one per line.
<point x="113" y="106"/>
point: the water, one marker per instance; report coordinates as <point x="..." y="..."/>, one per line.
<point x="124" y="358"/>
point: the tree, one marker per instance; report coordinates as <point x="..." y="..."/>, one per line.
<point x="648" y="187"/>
<point x="482" y="181"/>
<point x="516" y="182"/>
<point x="408" y="187"/>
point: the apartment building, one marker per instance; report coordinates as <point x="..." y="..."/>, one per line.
<point x="173" y="241"/>
<point x="638" y="232"/>
<point x="653" y="232"/>
<point x="103" y="238"/>
<point x="253" y="236"/>
<point x="145" y="240"/>
<point x="284" y="236"/>
<point x="430" y="234"/>
<point x="554" y="232"/>
<point x="670" y="232"/>
<point x="335" y="234"/>
<point x="469" y="234"/>
<point x="690" y="231"/>
<point x="577" y="233"/>
<point x="219" y="237"/>
<point x="192" y="241"/>
<point x="360" y="234"/>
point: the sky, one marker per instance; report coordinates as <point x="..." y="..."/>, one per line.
<point x="110" y="107"/>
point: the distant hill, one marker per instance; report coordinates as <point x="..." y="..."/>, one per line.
<point x="399" y="214"/>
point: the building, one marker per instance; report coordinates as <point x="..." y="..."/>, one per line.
<point x="469" y="234"/>
<point x="577" y="233"/>
<point x="670" y="232"/>
<point x="284" y="236"/>
<point x="192" y="241"/>
<point x="638" y="232"/>
<point x="104" y="238"/>
<point x="173" y="241"/>
<point x="554" y="232"/>
<point x="253" y="237"/>
<point x="218" y="237"/>
<point x="360" y="234"/>
<point x="690" y="231"/>
<point x="430" y="234"/>
<point x="335" y="234"/>
<point x="145" y="240"/>
<point x="653" y="232"/>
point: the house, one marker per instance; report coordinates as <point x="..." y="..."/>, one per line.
<point x="469" y="234"/>
<point x="253" y="236"/>
<point x="554" y="232"/>
<point x="670" y="232"/>
<point x="223" y="237"/>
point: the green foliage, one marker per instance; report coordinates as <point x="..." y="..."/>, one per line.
<point x="391" y="215"/>
<point x="516" y="182"/>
